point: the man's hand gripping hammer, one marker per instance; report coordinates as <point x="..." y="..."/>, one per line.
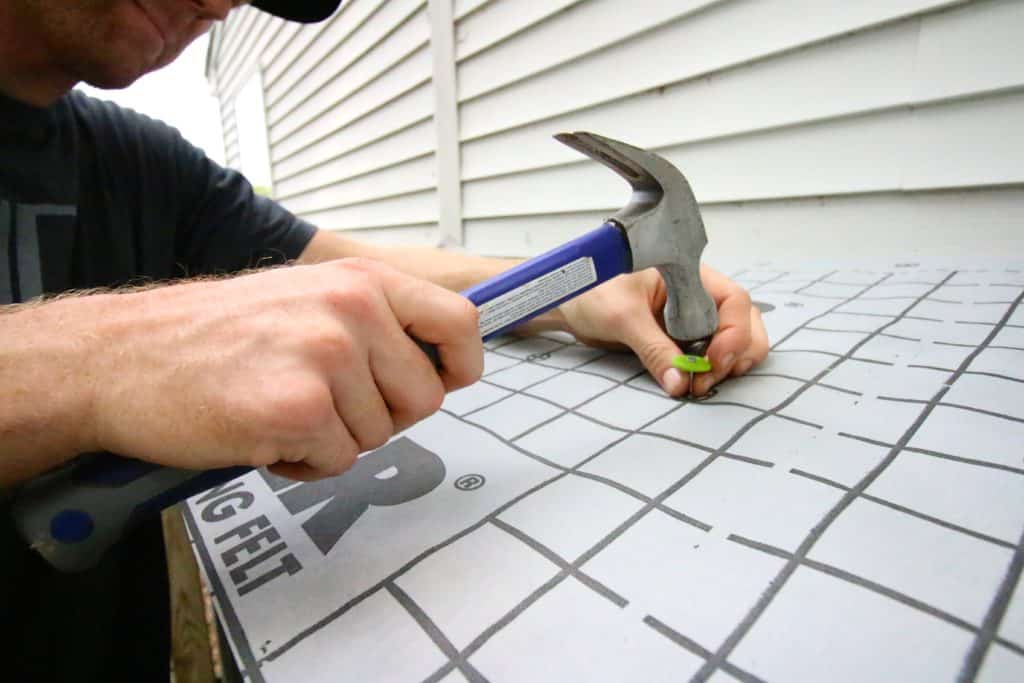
<point x="74" y="513"/>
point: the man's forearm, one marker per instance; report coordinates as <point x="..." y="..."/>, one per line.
<point x="45" y="386"/>
<point x="452" y="270"/>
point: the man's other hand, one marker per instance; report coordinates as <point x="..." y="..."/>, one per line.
<point x="626" y="312"/>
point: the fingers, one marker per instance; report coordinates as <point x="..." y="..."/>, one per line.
<point x="297" y="471"/>
<point x="438" y="316"/>
<point x="741" y="341"/>
<point x="358" y="401"/>
<point x="385" y="383"/>
<point x="731" y="340"/>
<point x="329" y="451"/>
<point x="759" y="344"/>
<point x="408" y="381"/>
<point x="655" y="349"/>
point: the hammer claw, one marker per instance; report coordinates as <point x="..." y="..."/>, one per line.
<point x="663" y="225"/>
<point x="608" y="152"/>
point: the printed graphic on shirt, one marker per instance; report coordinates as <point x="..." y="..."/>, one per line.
<point x="36" y="242"/>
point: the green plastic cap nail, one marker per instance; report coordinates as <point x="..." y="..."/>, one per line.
<point x="692" y="363"/>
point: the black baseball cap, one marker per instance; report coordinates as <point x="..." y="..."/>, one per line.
<point x="306" y="11"/>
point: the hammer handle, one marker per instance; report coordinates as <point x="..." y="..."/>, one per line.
<point x="72" y="514"/>
<point x="546" y="281"/>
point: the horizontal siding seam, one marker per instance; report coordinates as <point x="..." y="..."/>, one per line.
<point x="233" y="75"/>
<point x="281" y="26"/>
<point x="897" y="193"/>
<point x="210" y="63"/>
<point x="230" y="25"/>
<point x="345" y="179"/>
<point x="828" y="37"/>
<point x="367" y="113"/>
<point x="473" y="11"/>
<point x="760" y="201"/>
<point x="721" y="70"/>
<point x="423" y="189"/>
<point x="235" y="40"/>
<point x="522" y="29"/>
<point x="348" y="36"/>
<point x="277" y="68"/>
<point x="383" y="72"/>
<point x="918" y="105"/>
<point x="334" y="103"/>
<point x="583" y="55"/>
<point x="389" y="226"/>
<point x="344" y="153"/>
<point x="243" y="50"/>
<point x="322" y="28"/>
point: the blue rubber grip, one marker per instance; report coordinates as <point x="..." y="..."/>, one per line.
<point x="106" y="470"/>
<point x="607" y="246"/>
<point x="203" y="481"/>
<point x="74" y="513"/>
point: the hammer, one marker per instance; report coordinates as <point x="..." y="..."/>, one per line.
<point x="72" y="514"/>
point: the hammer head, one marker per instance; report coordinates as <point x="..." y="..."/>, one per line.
<point x="664" y="229"/>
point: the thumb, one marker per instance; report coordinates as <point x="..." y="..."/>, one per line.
<point x="655" y="349"/>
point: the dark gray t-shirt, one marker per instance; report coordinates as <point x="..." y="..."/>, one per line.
<point x="95" y="195"/>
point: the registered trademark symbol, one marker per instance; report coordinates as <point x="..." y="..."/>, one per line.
<point x="470" y="482"/>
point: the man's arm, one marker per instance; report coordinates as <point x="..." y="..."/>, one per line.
<point x="623" y="312"/>
<point x="46" y="386"/>
<point x="298" y="368"/>
<point x="452" y="270"/>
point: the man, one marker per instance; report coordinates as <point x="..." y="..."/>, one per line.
<point x="299" y="368"/>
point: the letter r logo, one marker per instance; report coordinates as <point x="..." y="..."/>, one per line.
<point x="417" y="472"/>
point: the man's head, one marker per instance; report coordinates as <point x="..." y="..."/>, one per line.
<point x="111" y="43"/>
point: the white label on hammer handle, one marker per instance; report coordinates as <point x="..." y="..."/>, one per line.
<point x="525" y="300"/>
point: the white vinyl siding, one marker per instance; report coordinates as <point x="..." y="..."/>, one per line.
<point x="802" y="125"/>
